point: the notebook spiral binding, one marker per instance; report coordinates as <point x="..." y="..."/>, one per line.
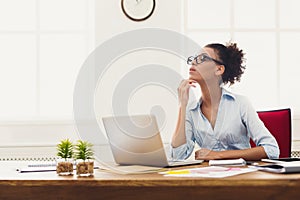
<point x="295" y="154"/>
<point x="27" y="153"/>
<point x="28" y="159"/>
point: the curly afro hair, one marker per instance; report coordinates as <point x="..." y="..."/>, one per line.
<point x="233" y="59"/>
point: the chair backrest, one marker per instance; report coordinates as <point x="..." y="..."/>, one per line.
<point x="278" y="122"/>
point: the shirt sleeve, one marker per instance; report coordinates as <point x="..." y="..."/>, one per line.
<point x="257" y="131"/>
<point x="185" y="150"/>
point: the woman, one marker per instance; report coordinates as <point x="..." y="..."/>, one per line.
<point x="222" y="123"/>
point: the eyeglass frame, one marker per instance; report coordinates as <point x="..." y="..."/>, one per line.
<point x="204" y="56"/>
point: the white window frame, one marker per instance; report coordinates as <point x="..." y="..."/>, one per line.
<point x="277" y="30"/>
<point x="39" y="131"/>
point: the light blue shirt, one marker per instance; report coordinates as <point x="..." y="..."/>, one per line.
<point x="237" y="122"/>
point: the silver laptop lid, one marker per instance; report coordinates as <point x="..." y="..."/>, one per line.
<point x="135" y="140"/>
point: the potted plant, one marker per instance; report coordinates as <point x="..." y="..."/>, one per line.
<point x="64" y="164"/>
<point x="84" y="158"/>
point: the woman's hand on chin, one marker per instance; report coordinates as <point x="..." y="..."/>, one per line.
<point x="183" y="91"/>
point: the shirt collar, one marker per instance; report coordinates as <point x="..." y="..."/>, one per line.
<point x="225" y="94"/>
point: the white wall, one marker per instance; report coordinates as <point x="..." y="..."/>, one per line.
<point x="111" y="21"/>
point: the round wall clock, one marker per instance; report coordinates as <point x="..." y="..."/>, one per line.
<point x="138" y="10"/>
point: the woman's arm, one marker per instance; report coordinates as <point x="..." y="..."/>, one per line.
<point x="182" y="144"/>
<point x="258" y="132"/>
<point x="179" y="136"/>
<point x="256" y="153"/>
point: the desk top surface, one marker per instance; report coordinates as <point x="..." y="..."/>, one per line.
<point x="108" y="185"/>
<point x="9" y="175"/>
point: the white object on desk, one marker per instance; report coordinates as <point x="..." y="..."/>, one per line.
<point x="42" y="164"/>
<point x="41" y="167"/>
<point x="234" y="162"/>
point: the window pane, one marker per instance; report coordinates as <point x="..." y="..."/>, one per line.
<point x="261" y="70"/>
<point x="255" y="14"/>
<point x="60" y="60"/>
<point x="289" y="71"/>
<point x="17" y="76"/>
<point x="63" y="14"/>
<point x="203" y="38"/>
<point x="289" y="14"/>
<point x="208" y="14"/>
<point x="17" y="15"/>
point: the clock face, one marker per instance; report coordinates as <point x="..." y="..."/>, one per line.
<point x="138" y="10"/>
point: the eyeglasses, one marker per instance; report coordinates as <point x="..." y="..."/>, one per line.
<point x="202" y="58"/>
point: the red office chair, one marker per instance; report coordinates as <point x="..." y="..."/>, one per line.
<point x="278" y="122"/>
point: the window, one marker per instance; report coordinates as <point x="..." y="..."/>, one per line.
<point x="43" y="45"/>
<point x="268" y="31"/>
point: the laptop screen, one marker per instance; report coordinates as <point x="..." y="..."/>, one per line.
<point x="135" y="140"/>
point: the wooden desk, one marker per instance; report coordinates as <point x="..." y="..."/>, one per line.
<point x="106" y="185"/>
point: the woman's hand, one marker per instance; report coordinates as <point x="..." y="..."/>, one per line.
<point x="183" y="91"/>
<point x="207" y="154"/>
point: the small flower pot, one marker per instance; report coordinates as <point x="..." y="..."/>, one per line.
<point x="85" y="167"/>
<point x="64" y="166"/>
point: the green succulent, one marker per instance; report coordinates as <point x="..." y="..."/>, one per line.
<point x="83" y="150"/>
<point x="65" y="149"/>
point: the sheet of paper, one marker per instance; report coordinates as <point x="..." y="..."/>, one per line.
<point x="208" y="172"/>
<point x="130" y="169"/>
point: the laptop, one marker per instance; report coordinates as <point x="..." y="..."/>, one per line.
<point x="136" y="140"/>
